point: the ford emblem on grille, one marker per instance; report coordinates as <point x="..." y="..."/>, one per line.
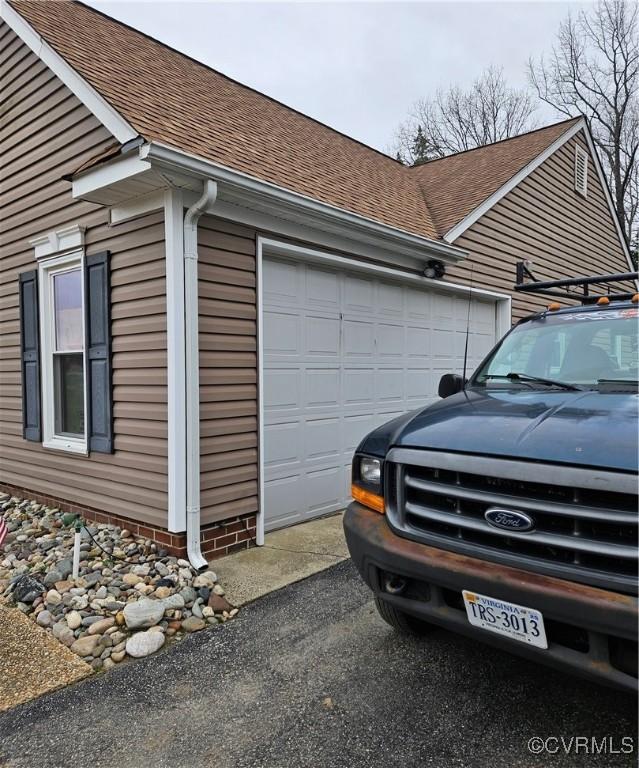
<point x="509" y="520"/>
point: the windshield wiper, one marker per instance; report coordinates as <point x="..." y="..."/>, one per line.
<point x="527" y="378"/>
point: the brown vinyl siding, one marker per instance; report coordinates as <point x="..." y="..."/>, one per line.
<point x="45" y="133"/>
<point x="546" y="220"/>
<point x="228" y="370"/>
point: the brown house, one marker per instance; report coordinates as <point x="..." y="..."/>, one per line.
<point x="208" y="298"/>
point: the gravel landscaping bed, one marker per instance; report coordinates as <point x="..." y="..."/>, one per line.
<point x="130" y="596"/>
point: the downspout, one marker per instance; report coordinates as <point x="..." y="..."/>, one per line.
<point x="191" y="331"/>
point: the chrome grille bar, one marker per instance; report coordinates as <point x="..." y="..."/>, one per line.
<point x="570" y="543"/>
<point x="517" y="502"/>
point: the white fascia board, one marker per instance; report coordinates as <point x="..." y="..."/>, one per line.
<point x="478" y="212"/>
<point x="93" y="180"/>
<point x="93" y="101"/>
<point x="312" y="233"/>
<point x="356" y="226"/>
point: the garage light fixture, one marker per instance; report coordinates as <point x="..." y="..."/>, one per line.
<point x="434" y="269"/>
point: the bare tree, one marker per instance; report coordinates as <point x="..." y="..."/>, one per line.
<point x="456" y="120"/>
<point x="594" y="70"/>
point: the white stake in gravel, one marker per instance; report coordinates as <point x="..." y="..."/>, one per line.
<point x="76" y="551"/>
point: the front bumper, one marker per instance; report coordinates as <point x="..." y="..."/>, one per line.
<point x="591" y="632"/>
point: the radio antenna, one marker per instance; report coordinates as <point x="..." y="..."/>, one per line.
<point x="470" y="296"/>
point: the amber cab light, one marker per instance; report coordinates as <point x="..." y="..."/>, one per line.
<point x="368" y="499"/>
<point x="603" y="300"/>
<point x="635" y="298"/>
<point x="554" y="306"/>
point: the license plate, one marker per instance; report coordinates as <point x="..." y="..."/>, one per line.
<point x="509" y="619"/>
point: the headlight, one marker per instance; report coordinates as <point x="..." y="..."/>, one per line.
<point x="370" y="470"/>
<point x="367" y="483"/>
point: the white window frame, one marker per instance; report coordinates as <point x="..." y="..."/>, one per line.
<point x="581" y="154"/>
<point x="47" y="269"/>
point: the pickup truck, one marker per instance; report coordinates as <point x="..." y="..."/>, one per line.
<point x="507" y="510"/>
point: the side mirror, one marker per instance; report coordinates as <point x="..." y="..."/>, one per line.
<point x="450" y="384"/>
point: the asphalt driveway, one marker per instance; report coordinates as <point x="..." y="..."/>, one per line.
<point x="309" y="676"/>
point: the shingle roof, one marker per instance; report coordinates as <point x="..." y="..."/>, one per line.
<point x="455" y="185"/>
<point x="168" y="97"/>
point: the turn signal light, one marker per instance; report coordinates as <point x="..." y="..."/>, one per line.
<point x="368" y="499"/>
<point x="603" y="300"/>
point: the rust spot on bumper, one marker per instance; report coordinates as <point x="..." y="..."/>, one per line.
<point x="369" y="535"/>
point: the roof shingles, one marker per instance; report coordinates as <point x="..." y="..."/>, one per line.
<point x="455" y="185"/>
<point x="170" y="98"/>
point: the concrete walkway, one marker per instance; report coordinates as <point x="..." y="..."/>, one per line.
<point x="288" y="555"/>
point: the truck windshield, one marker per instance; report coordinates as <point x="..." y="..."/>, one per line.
<point x="582" y="349"/>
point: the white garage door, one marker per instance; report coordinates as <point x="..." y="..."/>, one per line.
<point x="343" y="353"/>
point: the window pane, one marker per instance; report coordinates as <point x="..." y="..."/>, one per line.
<point x="67" y="290"/>
<point x="69" y="394"/>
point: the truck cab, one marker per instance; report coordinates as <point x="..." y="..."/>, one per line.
<point x="507" y="511"/>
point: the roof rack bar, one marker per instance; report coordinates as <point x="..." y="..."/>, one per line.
<point x="537" y="287"/>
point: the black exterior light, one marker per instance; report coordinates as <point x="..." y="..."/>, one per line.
<point x="434" y="269"/>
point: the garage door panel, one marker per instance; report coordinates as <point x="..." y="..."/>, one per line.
<point x="322" y="288"/>
<point x="418" y="305"/>
<point x="418" y="342"/>
<point x="358" y="338"/>
<point x="442" y="344"/>
<point x="282" y="333"/>
<point x="343" y="354"/>
<point x="321" y="439"/>
<point x="323" y="489"/>
<point x="281" y="498"/>
<point x="390" y="340"/>
<point x="281" y="283"/>
<point x="442" y="307"/>
<point x="322" y="335"/>
<point x="282" y="388"/>
<point x="390" y="300"/>
<point x="389" y="385"/>
<point x="321" y="387"/>
<point x="419" y="383"/>
<point x="359" y="386"/>
<point x="359" y="295"/>
<point x="282" y="444"/>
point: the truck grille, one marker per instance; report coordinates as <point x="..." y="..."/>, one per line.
<point x="585" y="534"/>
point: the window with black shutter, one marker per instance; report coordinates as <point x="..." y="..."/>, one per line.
<point x="66" y="353"/>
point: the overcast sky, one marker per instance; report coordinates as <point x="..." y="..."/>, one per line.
<point x="357" y="66"/>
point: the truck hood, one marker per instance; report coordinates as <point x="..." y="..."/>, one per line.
<point x="589" y="429"/>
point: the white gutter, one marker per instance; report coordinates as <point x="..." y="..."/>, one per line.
<point x="191" y="330"/>
<point x="359" y="227"/>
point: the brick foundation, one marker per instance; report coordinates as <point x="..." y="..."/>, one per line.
<point x="216" y="540"/>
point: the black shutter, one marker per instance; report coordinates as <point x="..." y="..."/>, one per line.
<point x="30" y="350"/>
<point x="97" y="299"/>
